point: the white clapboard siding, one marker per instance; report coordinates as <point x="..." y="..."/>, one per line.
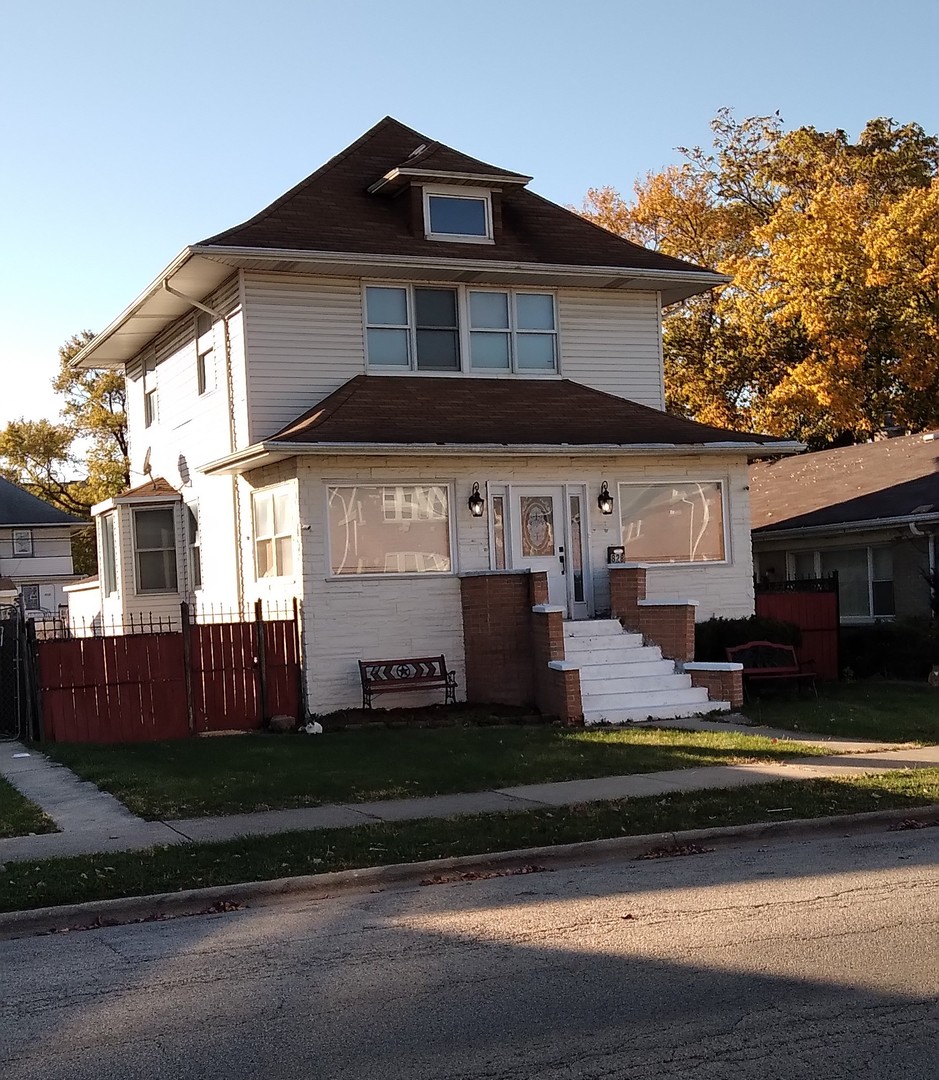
<point x="611" y="341"/>
<point x="304" y="339"/>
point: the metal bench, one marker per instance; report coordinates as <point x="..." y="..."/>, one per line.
<point x="401" y="676"/>
<point x="769" y="661"/>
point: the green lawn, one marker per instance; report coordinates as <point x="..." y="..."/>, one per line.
<point x="169" y="869"/>
<point x="890" y="711"/>
<point x="231" y="774"/>
<point x="18" y="816"/>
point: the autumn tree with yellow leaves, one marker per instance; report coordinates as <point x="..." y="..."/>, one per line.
<point x="829" y="329"/>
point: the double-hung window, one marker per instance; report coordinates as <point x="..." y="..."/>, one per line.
<point x="195" y="546"/>
<point x="274" y="520"/>
<point x="150" y="403"/>
<point x="108" y="562"/>
<point x="512" y="331"/>
<point x="205" y="353"/>
<point x="155" y="549"/>
<point x="420" y="328"/>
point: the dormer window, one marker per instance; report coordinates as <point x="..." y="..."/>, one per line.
<point x="458" y="214"/>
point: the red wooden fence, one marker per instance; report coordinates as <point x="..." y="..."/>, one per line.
<point x="815" y="612"/>
<point x="228" y="676"/>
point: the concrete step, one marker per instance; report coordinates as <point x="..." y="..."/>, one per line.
<point x="692" y="695"/>
<point x="633" y="684"/>
<point x="656" y="712"/>
<point x="592" y="627"/>
<point x="648" y="662"/>
<point x="601" y="643"/>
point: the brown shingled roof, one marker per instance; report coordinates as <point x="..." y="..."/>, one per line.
<point x="156" y="485"/>
<point x="385" y="409"/>
<point x="332" y="210"/>
<point x="892" y="478"/>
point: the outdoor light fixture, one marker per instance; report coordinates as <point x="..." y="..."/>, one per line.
<point x="605" y="499"/>
<point x="476" y="502"/>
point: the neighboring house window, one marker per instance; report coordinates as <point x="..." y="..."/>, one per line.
<point x="108" y="562"/>
<point x="155" y="549"/>
<point x="150" y="402"/>
<point x="389" y="529"/>
<point x="274" y="521"/>
<point x="680" y="522"/>
<point x="205" y="353"/>
<point x="194" y="545"/>
<point x="23" y="543"/>
<point x="411" y="327"/>
<point x="30" y="595"/>
<point x="865" y="578"/>
<point x="464" y="215"/>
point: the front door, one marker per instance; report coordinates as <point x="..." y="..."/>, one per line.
<point x="539" y="536"/>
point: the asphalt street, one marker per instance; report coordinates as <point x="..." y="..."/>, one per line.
<point x="814" y="959"/>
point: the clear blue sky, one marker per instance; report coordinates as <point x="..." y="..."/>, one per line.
<point x="130" y="129"/>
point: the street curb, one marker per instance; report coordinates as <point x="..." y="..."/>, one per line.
<point x="102" y="913"/>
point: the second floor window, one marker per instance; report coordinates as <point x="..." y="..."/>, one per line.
<point x="150" y="404"/>
<point x="205" y="353"/>
<point x="417" y="328"/>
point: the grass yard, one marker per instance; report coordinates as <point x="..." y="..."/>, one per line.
<point x="233" y="774"/>
<point x="18" y="816"/>
<point x="170" y="869"/>
<point x="890" y="711"/>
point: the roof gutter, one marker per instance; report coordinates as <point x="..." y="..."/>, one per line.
<point x="252" y="457"/>
<point x="767" y="532"/>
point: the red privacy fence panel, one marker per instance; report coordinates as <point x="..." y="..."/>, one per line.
<point x="813" y="607"/>
<point x="208" y="676"/>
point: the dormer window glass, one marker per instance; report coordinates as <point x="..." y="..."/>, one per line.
<point x="464" y="215"/>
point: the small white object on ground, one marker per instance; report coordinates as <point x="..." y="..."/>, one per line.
<point x="313" y="728"/>
<point x="22" y="755"/>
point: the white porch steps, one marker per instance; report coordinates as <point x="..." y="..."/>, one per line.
<point x="622" y="680"/>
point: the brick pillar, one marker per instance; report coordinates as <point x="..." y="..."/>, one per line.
<point x="497" y="637"/>
<point x="627" y="588"/>
<point x="557" y="686"/>
<point x="723" y="682"/>
<point x="669" y="625"/>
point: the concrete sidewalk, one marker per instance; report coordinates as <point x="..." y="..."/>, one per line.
<point x="92" y="821"/>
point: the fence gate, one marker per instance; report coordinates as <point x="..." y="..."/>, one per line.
<point x="813" y="606"/>
<point x="229" y="675"/>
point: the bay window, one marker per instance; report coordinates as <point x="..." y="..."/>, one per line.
<point x="680" y="522"/>
<point x="388" y="529"/>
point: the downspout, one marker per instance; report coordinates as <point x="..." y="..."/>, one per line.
<point x="230" y="395"/>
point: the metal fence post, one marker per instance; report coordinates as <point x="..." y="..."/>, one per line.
<point x="185" y="626"/>
<point x="261" y="643"/>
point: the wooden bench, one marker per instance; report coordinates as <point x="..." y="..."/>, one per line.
<point x="401" y="676"/>
<point x="769" y="661"/>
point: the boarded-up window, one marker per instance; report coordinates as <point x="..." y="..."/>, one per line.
<point x="680" y="522"/>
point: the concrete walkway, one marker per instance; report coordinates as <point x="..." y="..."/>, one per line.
<point x="92" y="821"/>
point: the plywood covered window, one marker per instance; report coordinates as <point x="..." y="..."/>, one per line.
<point x="389" y="529"/>
<point x="680" y="522"/>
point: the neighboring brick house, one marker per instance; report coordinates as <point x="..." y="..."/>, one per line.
<point x="869" y="512"/>
<point x="404" y="381"/>
<point x="35" y="550"/>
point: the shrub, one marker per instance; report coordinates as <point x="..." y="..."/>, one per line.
<point x="906" y="649"/>
<point x="714" y="637"/>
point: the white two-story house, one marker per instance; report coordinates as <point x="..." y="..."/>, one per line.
<point x="408" y="370"/>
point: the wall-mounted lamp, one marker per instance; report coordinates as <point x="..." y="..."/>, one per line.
<point x="605" y="499"/>
<point x="476" y="502"/>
